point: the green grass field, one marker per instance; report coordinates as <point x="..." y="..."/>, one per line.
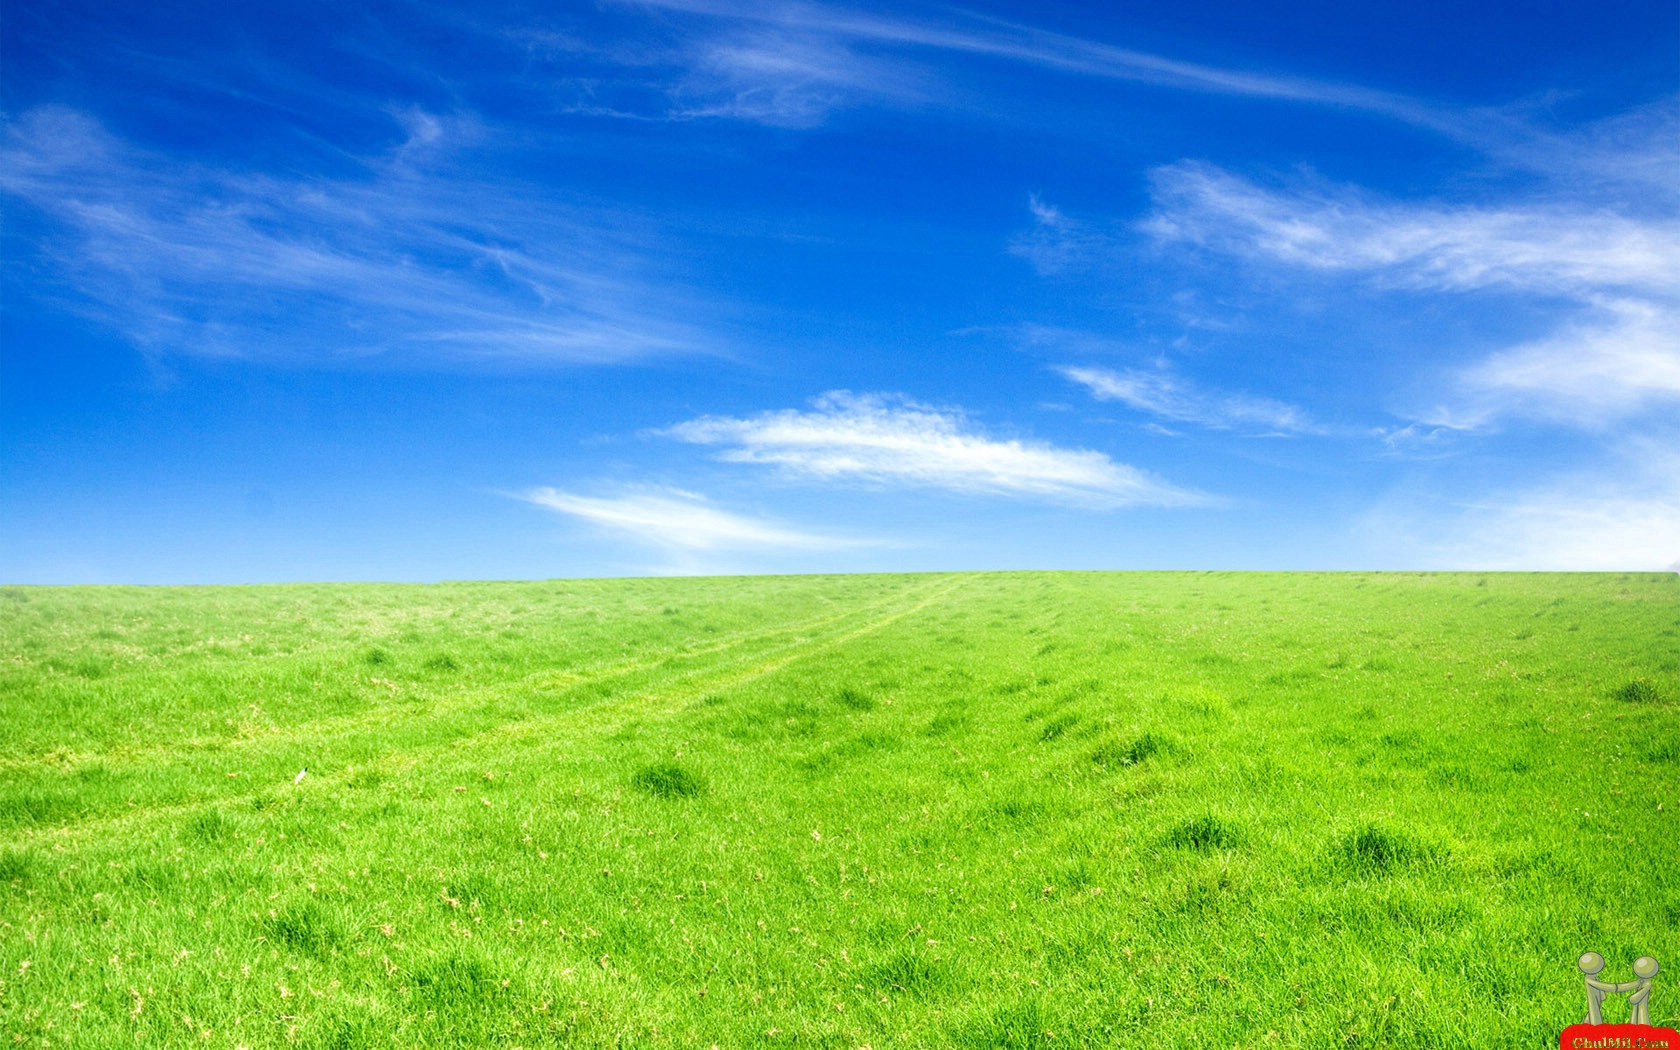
<point x="999" y="810"/>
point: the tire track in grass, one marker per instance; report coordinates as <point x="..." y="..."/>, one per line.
<point x="678" y="700"/>
<point x="661" y="699"/>
<point x="457" y="708"/>
<point x="562" y="681"/>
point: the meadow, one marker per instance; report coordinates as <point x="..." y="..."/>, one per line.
<point x="969" y="810"/>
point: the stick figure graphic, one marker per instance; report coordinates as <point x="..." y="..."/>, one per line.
<point x="1639" y="1002"/>
<point x="1590" y="965"/>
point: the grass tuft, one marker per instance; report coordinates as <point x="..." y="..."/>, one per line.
<point x="208" y="826"/>
<point x="304" y="927"/>
<point x="1057" y="726"/>
<point x="455" y="982"/>
<point x="1021" y="1025"/>
<point x="365" y="778"/>
<point x="1639" y="691"/>
<point x="1205" y="833"/>
<point x="1013" y="811"/>
<point x="1664" y="751"/>
<point x="1379" y="849"/>
<point x="855" y="699"/>
<point x="354" y="1034"/>
<point x="16" y="865"/>
<point x="36" y="805"/>
<point x="906" y="973"/>
<point x="89" y="667"/>
<point x="668" y="780"/>
<point x="1131" y="752"/>
<point x="945" y="722"/>
<point x="441" y="662"/>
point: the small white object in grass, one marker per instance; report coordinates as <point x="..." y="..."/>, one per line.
<point x="299" y="778"/>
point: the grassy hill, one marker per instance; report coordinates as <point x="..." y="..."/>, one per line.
<point x="1014" y="810"/>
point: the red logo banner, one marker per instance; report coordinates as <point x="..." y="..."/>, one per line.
<point x="1618" y="1037"/>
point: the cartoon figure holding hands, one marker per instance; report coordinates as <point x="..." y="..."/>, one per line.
<point x="1639" y="1002"/>
<point x="1590" y="964"/>
<point x="1644" y="968"/>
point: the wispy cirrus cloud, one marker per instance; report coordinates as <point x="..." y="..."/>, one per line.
<point x="721" y="65"/>
<point x="1620" y="360"/>
<point x="1167" y="396"/>
<point x="786" y="78"/>
<point x="1057" y="242"/>
<point x="792" y="63"/>
<point x="1631" y="156"/>
<point x="1559" y="248"/>
<point x="414" y="258"/>
<point x="678" y="520"/>
<point x="893" y="441"/>
<point x="1615" y="357"/>
<point x="961" y="33"/>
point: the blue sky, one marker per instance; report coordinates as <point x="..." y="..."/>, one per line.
<point x="413" y="292"/>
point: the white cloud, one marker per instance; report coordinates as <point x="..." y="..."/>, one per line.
<point x="783" y="73"/>
<point x="1618" y="356"/>
<point x="683" y="521"/>
<point x="1592" y="373"/>
<point x="1566" y="249"/>
<point x="1162" y="394"/>
<point x="785" y="78"/>
<point x="1631" y="155"/>
<point x="991" y="38"/>
<point x="894" y="441"/>
<point x="1624" y="516"/>
<point x="1418" y="441"/>
<point x="1057" y="242"/>
<point x="434" y="263"/>
<point x="860" y="56"/>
